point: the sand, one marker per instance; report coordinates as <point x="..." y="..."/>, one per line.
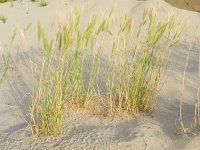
<point x="82" y="131"/>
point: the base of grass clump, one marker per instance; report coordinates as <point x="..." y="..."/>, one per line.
<point x="71" y="68"/>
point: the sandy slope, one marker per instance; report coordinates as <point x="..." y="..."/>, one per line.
<point x="193" y="5"/>
<point x="92" y="132"/>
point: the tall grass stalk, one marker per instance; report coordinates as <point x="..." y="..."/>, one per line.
<point x="194" y="125"/>
<point x="6" y="67"/>
<point x="182" y="127"/>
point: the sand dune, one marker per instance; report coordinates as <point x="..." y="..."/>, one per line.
<point x="193" y="5"/>
<point x="83" y="131"/>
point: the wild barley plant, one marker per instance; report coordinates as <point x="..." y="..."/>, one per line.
<point x="47" y="101"/>
<point x="137" y="70"/>
<point x="61" y="79"/>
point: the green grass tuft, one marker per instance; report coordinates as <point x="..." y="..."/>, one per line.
<point x="43" y="3"/>
<point x="3" y="18"/>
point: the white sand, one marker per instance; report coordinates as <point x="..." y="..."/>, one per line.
<point x="92" y="132"/>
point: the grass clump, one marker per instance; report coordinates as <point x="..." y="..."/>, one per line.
<point x="3" y="18"/>
<point x="43" y="3"/>
<point x="6" y="63"/>
<point x="6" y="67"/>
<point x="3" y="1"/>
<point x="134" y="81"/>
<point x="55" y="78"/>
<point x="72" y="66"/>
